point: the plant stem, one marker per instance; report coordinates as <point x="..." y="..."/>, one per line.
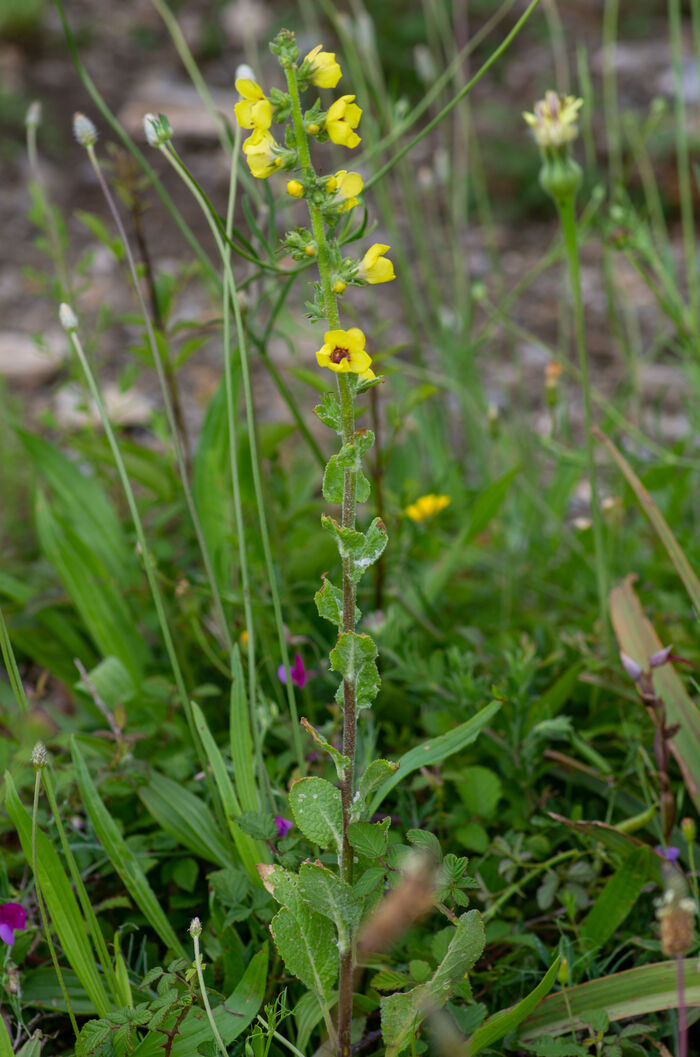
<point x="685" y="187"/>
<point x="568" y="221"/>
<point x="346" y="396"/>
<point x="205" y="996"/>
<point x="682" y="1008"/>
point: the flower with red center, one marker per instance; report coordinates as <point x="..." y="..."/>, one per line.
<point x="13" y="916"/>
<point x="344" y="352"/>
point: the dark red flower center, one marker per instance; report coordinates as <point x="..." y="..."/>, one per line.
<point x="339" y="354"/>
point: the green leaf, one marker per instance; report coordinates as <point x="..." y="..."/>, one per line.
<point x="348" y="458"/>
<point x="616" y="900"/>
<point x="122" y="857"/>
<point x="423" y="838"/>
<point x="402" y="1013"/>
<point x="329" y="603"/>
<point x="353" y="657"/>
<point x="363" y="549"/>
<point x="333" y="481"/>
<point x="5" y="1041"/>
<point x="112" y="681"/>
<point x="317" y="811"/>
<point x="242" y="755"/>
<point x="507" y="1020"/>
<point x="377" y="772"/>
<point x="258" y="824"/>
<point x="325" y="893"/>
<point x="370" y="838"/>
<point x="341" y="762"/>
<point x="307" y="945"/>
<point x="329" y="412"/>
<point x="480" y="790"/>
<point x="60" y="901"/>
<point x="185" y="817"/>
<point x="436" y="750"/>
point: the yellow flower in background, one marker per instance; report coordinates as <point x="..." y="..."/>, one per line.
<point x="254" y="109"/>
<point x="343" y="116"/>
<point x="555" y="120"/>
<point x="375" y="267"/>
<point x="325" y="70"/>
<point x="344" y="352"/>
<point x="345" y="186"/>
<point x="427" y="506"/>
<point x="260" y="151"/>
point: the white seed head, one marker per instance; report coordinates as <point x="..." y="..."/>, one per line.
<point x="33" y="116"/>
<point x="39" y="755"/>
<point x="68" y="318"/>
<point x="84" y="130"/>
<point x="245" y="72"/>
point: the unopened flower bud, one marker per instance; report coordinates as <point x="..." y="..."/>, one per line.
<point x="631" y="667"/>
<point x="84" y="130"/>
<point x="295" y="189"/>
<point x="658" y="659"/>
<point x="157" y="130"/>
<point x="33" y="115"/>
<point x="39" y="755"/>
<point x="312" y="128"/>
<point x="310" y="249"/>
<point x="563" y="976"/>
<point x="244" y="72"/>
<point x="195" y="928"/>
<point x="688" y="829"/>
<point x="68" y="318"/>
<point x="339" y="287"/>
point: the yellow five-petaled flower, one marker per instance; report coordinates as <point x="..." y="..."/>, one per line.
<point x="261" y="154"/>
<point x="375" y="267"/>
<point x="254" y="109"/>
<point x="325" y="71"/>
<point x="427" y="506"/>
<point x="345" y="186"/>
<point x="344" y="352"/>
<point x="342" y="118"/>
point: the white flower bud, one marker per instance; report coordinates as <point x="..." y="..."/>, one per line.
<point x="631" y="667"/>
<point x="33" y="115"/>
<point x="195" y="928"/>
<point x="39" y="755"/>
<point x="245" y="72"/>
<point x="84" y="130"/>
<point x="68" y="318"/>
<point x="157" y="130"/>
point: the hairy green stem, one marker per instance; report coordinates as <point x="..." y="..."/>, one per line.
<point x="567" y="215"/>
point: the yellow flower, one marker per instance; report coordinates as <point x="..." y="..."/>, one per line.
<point x="554" y="122"/>
<point x="295" y="189"/>
<point x="325" y="71"/>
<point x="254" y="109"/>
<point x="344" y="352"/>
<point x="375" y="267"/>
<point x="427" y="506"/>
<point x="345" y="186"/>
<point x="343" y="116"/>
<point x="339" y="287"/>
<point x="260" y="151"/>
<point x="367" y="375"/>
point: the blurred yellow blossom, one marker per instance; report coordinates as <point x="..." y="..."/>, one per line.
<point x="254" y="109"/>
<point x="375" y="267"/>
<point x="325" y="70"/>
<point x="344" y="352"/>
<point x="343" y="116"/>
<point x="427" y="506"/>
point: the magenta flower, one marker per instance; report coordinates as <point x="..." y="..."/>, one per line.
<point x="298" y="672"/>
<point x="12" y="916"/>
<point x="283" y="826"/>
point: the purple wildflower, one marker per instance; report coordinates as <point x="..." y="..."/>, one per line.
<point x="298" y="672"/>
<point x="283" y="826"/>
<point x="12" y="916"/>
<point x="671" y="854"/>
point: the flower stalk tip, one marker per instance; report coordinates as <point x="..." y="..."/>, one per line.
<point x="84" y="130"/>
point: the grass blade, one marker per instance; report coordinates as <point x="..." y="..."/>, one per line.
<point x="633" y="993"/>
<point x="60" y="901"/>
<point x="185" y="817"/>
<point x="121" y="856"/>
<point x="506" y="1020"/>
<point x="436" y="750"/>
<point x="659" y="523"/>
